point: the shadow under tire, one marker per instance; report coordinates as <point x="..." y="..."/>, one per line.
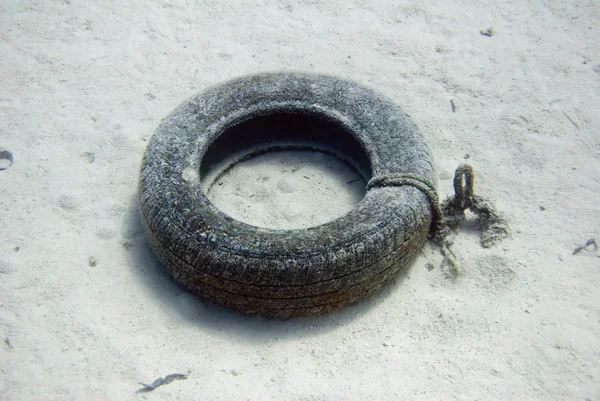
<point x="284" y="273"/>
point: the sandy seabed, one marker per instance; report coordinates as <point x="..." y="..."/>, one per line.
<point x="87" y="312"/>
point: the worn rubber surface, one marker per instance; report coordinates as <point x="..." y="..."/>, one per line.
<point x="283" y="273"/>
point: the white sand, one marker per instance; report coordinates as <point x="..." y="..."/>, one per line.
<point x="86" y="310"/>
<point x="288" y="189"/>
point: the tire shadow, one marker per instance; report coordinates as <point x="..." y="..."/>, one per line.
<point x="215" y="320"/>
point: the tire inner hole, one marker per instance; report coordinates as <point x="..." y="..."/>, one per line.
<point x="285" y="170"/>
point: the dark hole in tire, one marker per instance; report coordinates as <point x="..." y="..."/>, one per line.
<point x="284" y="135"/>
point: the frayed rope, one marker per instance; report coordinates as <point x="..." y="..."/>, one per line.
<point x="447" y="217"/>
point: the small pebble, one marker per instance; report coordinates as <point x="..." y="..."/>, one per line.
<point x="92" y="261"/>
<point x="87" y="157"/>
<point x="190" y="175"/>
<point x="488" y="32"/>
<point x="6" y="159"/>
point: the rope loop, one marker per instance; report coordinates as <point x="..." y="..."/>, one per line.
<point x="463" y="196"/>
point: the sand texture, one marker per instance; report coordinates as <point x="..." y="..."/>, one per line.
<point x="288" y="189"/>
<point x="88" y="313"/>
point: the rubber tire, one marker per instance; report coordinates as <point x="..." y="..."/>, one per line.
<point x="284" y="273"/>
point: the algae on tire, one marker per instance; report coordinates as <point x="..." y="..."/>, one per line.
<point x="283" y="273"/>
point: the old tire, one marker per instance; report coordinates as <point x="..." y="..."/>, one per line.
<point x="283" y="273"/>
